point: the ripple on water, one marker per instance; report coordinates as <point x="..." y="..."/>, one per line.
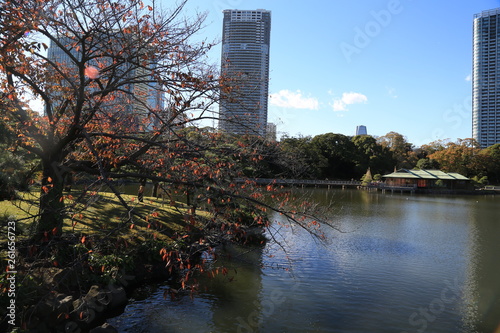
<point x="397" y="258"/>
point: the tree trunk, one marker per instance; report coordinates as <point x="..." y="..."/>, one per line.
<point x="156" y="185"/>
<point x="51" y="202"/>
<point x="142" y="187"/>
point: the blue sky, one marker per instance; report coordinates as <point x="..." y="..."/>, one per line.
<point x="391" y="65"/>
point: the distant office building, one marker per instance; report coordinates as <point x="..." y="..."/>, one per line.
<point x="361" y="130"/>
<point x="134" y="100"/>
<point x="271" y="132"/>
<point x="486" y="78"/>
<point x="245" y="62"/>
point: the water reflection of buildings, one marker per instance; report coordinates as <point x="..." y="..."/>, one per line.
<point x="481" y="294"/>
<point x="411" y="254"/>
<point x="237" y="304"/>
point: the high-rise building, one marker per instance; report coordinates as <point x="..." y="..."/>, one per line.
<point x="486" y="78"/>
<point x="271" y="131"/>
<point x="245" y="63"/>
<point x="361" y="130"/>
<point x="133" y="101"/>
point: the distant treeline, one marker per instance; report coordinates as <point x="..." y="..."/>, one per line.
<point x="325" y="156"/>
<point x="337" y="156"/>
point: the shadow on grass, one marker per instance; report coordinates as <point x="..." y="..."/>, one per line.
<point x="102" y="213"/>
<point x="152" y="216"/>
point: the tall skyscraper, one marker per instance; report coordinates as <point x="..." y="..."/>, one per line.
<point x="486" y="78"/>
<point x="361" y="130"/>
<point x="245" y="62"/>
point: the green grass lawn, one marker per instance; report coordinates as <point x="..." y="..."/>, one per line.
<point x="102" y="213"/>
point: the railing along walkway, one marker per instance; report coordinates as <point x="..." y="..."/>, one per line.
<point x="305" y="182"/>
<point x="397" y="188"/>
<point x="491" y="188"/>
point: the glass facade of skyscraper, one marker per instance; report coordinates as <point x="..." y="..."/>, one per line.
<point x="245" y="65"/>
<point x="361" y="130"/>
<point x="136" y="99"/>
<point x="486" y="78"/>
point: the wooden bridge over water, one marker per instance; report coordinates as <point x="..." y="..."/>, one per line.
<point x="355" y="184"/>
<point x="303" y="182"/>
<point x="330" y="183"/>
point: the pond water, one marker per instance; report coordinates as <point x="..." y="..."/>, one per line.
<point x="400" y="263"/>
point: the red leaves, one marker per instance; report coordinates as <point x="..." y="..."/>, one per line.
<point x="168" y="255"/>
<point x="91" y="72"/>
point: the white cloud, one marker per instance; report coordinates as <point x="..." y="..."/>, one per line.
<point x="392" y="92"/>
<point x="468" y="78"/>
<point x="349" y="98"/>
<point x="339" y="105"/>
<point x="295" y="100"/>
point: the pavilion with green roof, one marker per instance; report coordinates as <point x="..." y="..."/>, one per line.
<point x="427" y="179"/>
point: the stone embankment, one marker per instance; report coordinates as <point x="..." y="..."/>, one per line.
<point x="74" y="303"/>
<point x="62" y="312"/>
